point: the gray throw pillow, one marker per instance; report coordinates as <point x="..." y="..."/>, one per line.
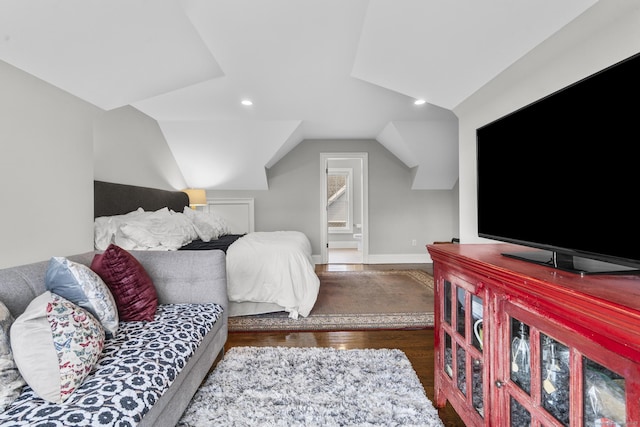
<point x="11" y="382"/>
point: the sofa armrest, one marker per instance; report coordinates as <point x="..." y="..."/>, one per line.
<point x="187" y="276"/>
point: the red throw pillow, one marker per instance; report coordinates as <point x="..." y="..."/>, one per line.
<point x="132" y="288"/>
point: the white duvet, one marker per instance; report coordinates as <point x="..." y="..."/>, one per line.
<point x="275" y="267"/>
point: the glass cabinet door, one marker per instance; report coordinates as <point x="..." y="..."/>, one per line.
<point x="463" y="336"/>
<point x="551" y="382"/>
<point x="539" y="374"/>
<point x="477" y="363"/>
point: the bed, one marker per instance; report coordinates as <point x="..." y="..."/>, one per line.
<point x="266" y="271"/>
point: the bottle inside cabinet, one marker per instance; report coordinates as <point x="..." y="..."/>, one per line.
<point x="555" y="376"/>
<point x="520" y="372"/>
<point x="604" y="396"/>
<point x="520" y="355"/>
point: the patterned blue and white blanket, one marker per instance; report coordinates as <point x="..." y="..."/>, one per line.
<point x="134" y="370"/>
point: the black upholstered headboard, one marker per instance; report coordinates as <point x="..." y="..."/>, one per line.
<point x="117" y="199"/>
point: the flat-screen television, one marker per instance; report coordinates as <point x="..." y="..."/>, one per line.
<point x="562" y="175"/>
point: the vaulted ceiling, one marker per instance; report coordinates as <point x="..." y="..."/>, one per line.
<point x="314" y="69"/>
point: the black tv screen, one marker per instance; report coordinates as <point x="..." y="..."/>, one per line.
<point x="563" y="173"/>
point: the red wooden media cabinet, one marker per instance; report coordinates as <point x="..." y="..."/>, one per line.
<point x="520" y="344"/>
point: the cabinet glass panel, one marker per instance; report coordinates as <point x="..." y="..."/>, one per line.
<point x="520" y="355"/>
<point x="520" y="417"/>
<point x="476" y="318"/>
<point x="604" y="396"/>
<point x="447" y="301"/>
<point x="555" y="376"/>
<point x="476" y="384"/>
<point x="448" y="356"/>
<point x="460" y="310"/>
<point x="462" y="369"/>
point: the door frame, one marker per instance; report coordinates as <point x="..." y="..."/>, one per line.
<point x="324" y="227"/>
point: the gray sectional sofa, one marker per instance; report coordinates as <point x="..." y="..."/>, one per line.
<point x="152" y="369"/>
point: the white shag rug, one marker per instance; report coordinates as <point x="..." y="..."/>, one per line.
<point x="283" y="386"/>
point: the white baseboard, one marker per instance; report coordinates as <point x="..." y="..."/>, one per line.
<point x="390" y="259"/>
<point x="400" y="259"/>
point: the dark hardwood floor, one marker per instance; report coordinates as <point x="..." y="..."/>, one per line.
<point x="416" y="344"/>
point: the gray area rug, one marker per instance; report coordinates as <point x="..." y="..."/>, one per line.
<point x="355" y="300"/>
<point x="281" y="386"/>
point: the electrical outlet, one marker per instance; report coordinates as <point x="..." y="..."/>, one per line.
<point x="414" y="242"/>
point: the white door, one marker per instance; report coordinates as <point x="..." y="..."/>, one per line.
<point x="344" y="205"/>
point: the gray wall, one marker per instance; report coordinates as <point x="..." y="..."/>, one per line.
<point x="48" y="160"/>
<point x="129" y="148"/>
<point x="397" y="214"/>
<point x="46" y="170"/>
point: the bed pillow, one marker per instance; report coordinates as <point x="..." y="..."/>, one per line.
<point x="159" y="230"/>
<point x="131" y="286"/>
<point x="136" y="231"/>
<point x="55" y="345"/>
<point x="136" y="235"/>
<point x="82" y="286"/>
<point x="11" y="382"/>
<point x="208" y="225"/>
<point x="105" y="228"/>
<point x="183" y="225"/>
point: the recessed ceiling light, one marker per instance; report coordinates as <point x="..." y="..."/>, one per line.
<point x="247" y="102"/>
<point x="419" y="102"/>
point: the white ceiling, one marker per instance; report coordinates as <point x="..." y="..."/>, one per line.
<point x="315" y="69"/>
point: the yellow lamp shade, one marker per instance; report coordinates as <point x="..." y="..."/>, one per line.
<point x="197" y="196"/>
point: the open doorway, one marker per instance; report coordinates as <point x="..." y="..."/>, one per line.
<point x="344" y="208"/>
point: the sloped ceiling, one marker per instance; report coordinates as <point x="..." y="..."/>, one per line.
<point x="314" y="69"/>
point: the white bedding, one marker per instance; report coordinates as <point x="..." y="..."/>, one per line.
<point x="262" y="267"/>
<point x="274" y="267"/>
